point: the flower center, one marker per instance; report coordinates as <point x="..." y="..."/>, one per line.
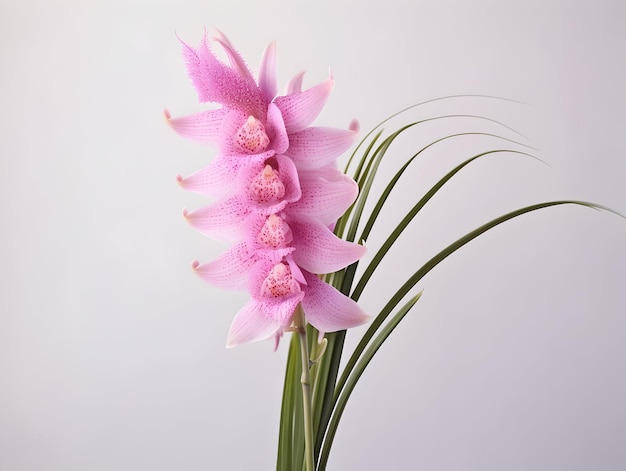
<point x="275" y="232"/>
<point x="266" y="187"/>
<point x="251" y="137"/>
<point x="279" y="282"/>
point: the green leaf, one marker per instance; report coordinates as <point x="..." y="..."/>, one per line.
<point x="291" y="432"/>
<point x="411" y="215"/>
<point x="433" y="262"/>
<point x="392" y="183"/>
<point x="356" y="375"/>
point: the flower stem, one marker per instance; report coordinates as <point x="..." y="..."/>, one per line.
<point x="305" y="379"/>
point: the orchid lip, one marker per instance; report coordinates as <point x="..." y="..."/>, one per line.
<point x="279" y="282"/>
<point x="267" y="186"/>
<point x="252" y="137"/>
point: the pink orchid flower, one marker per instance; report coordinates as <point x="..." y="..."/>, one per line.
<point x="277" y="194"/>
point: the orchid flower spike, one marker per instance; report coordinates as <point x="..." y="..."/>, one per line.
<point x="276" y="192"/>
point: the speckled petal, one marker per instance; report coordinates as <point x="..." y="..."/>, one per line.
<point x="222" y="220"/>
<point x="320" y="251"/>
<point x="300" y="109"/>
<point x="313" y="148"/>
<point x="201" y="127"/>
<point x="252" y="323"/>
<point x="276" y="129"/>
<point x="326" y="195"/>
<point x="229" y="270"/>
<point x="235" y="59"/>
<point x="219" y="83"/>
<point x="327" y="309"/>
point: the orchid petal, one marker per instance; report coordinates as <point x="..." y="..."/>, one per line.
<point x="215" y="180"/>
<point x="267" y="73"/>
<point x="327" y="309"/>
<point x="202" y="127"/>
<point x="282" y="309"/>
<point x="229" y="270"/>
<point x="290" y="177"/>
<point x="221" y="220"/>
<point x="251" y="324"/>
<point x="295" y="84"/>
<point x="216" y="82"/>
<point x="320" y="251"/>
<point x="324" y="199"/>
<point x="296" y="272"/>
<point x="300" y="109"/>
<point x="276" y="129"/>
<point x="233" y="55"/>
<point x="313" y="148"/>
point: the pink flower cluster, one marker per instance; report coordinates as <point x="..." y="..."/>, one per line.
<point x="277" y="193"/>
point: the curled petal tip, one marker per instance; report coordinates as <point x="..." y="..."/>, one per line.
<point x="218" y="36"/>
<point x="179" y="178"/>
<point x="354" y="125"/>
<point x="185" y="213"/>
<point x="195" y="264"/>
<point x="167" y="115"/>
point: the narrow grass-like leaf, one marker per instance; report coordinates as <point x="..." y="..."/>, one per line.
<point x="432" y="100"/>
<point x="354" y="378"/>
<point x="386" y="246"/>
<point x="433" y="262"/>
<point x="285" y="437"/>
<point x="298" y="408"/>
<point x="343" y="220"/>
<point x="349" y="378"/>
<point x="391" y="239"/>
<point x="326" y="400"/>
<point x="366" y="178"/>
<point x="357" y="173"/>
<point x="394" y="180"/>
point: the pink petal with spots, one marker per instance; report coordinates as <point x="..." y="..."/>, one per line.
<point x="222" y="221"/>
<point x="215" y="180"/>
<point x="327" y="309"/>
<point x="300" y="109"/>
<point x="326" y="195"/>
<point x="320" y="251"/>
<point x="231" y="124"/>
<point x="267" y="73"/>
<point x="282" y="309"/>
<point x="313" y="148"/>
<point x="252" y="323"/>
<point x="202" y="127"/>
<point x="217" y="82"/>
<point x="276" y="130"/>
<point x="229" y="270"/>
<point x="235" y="59"/>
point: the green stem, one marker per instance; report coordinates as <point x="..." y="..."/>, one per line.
<point x="306" y="391"/>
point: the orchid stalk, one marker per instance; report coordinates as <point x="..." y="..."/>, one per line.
<point x="297" y="226"/>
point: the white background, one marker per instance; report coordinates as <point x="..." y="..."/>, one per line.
<point x="112" y="352"/>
